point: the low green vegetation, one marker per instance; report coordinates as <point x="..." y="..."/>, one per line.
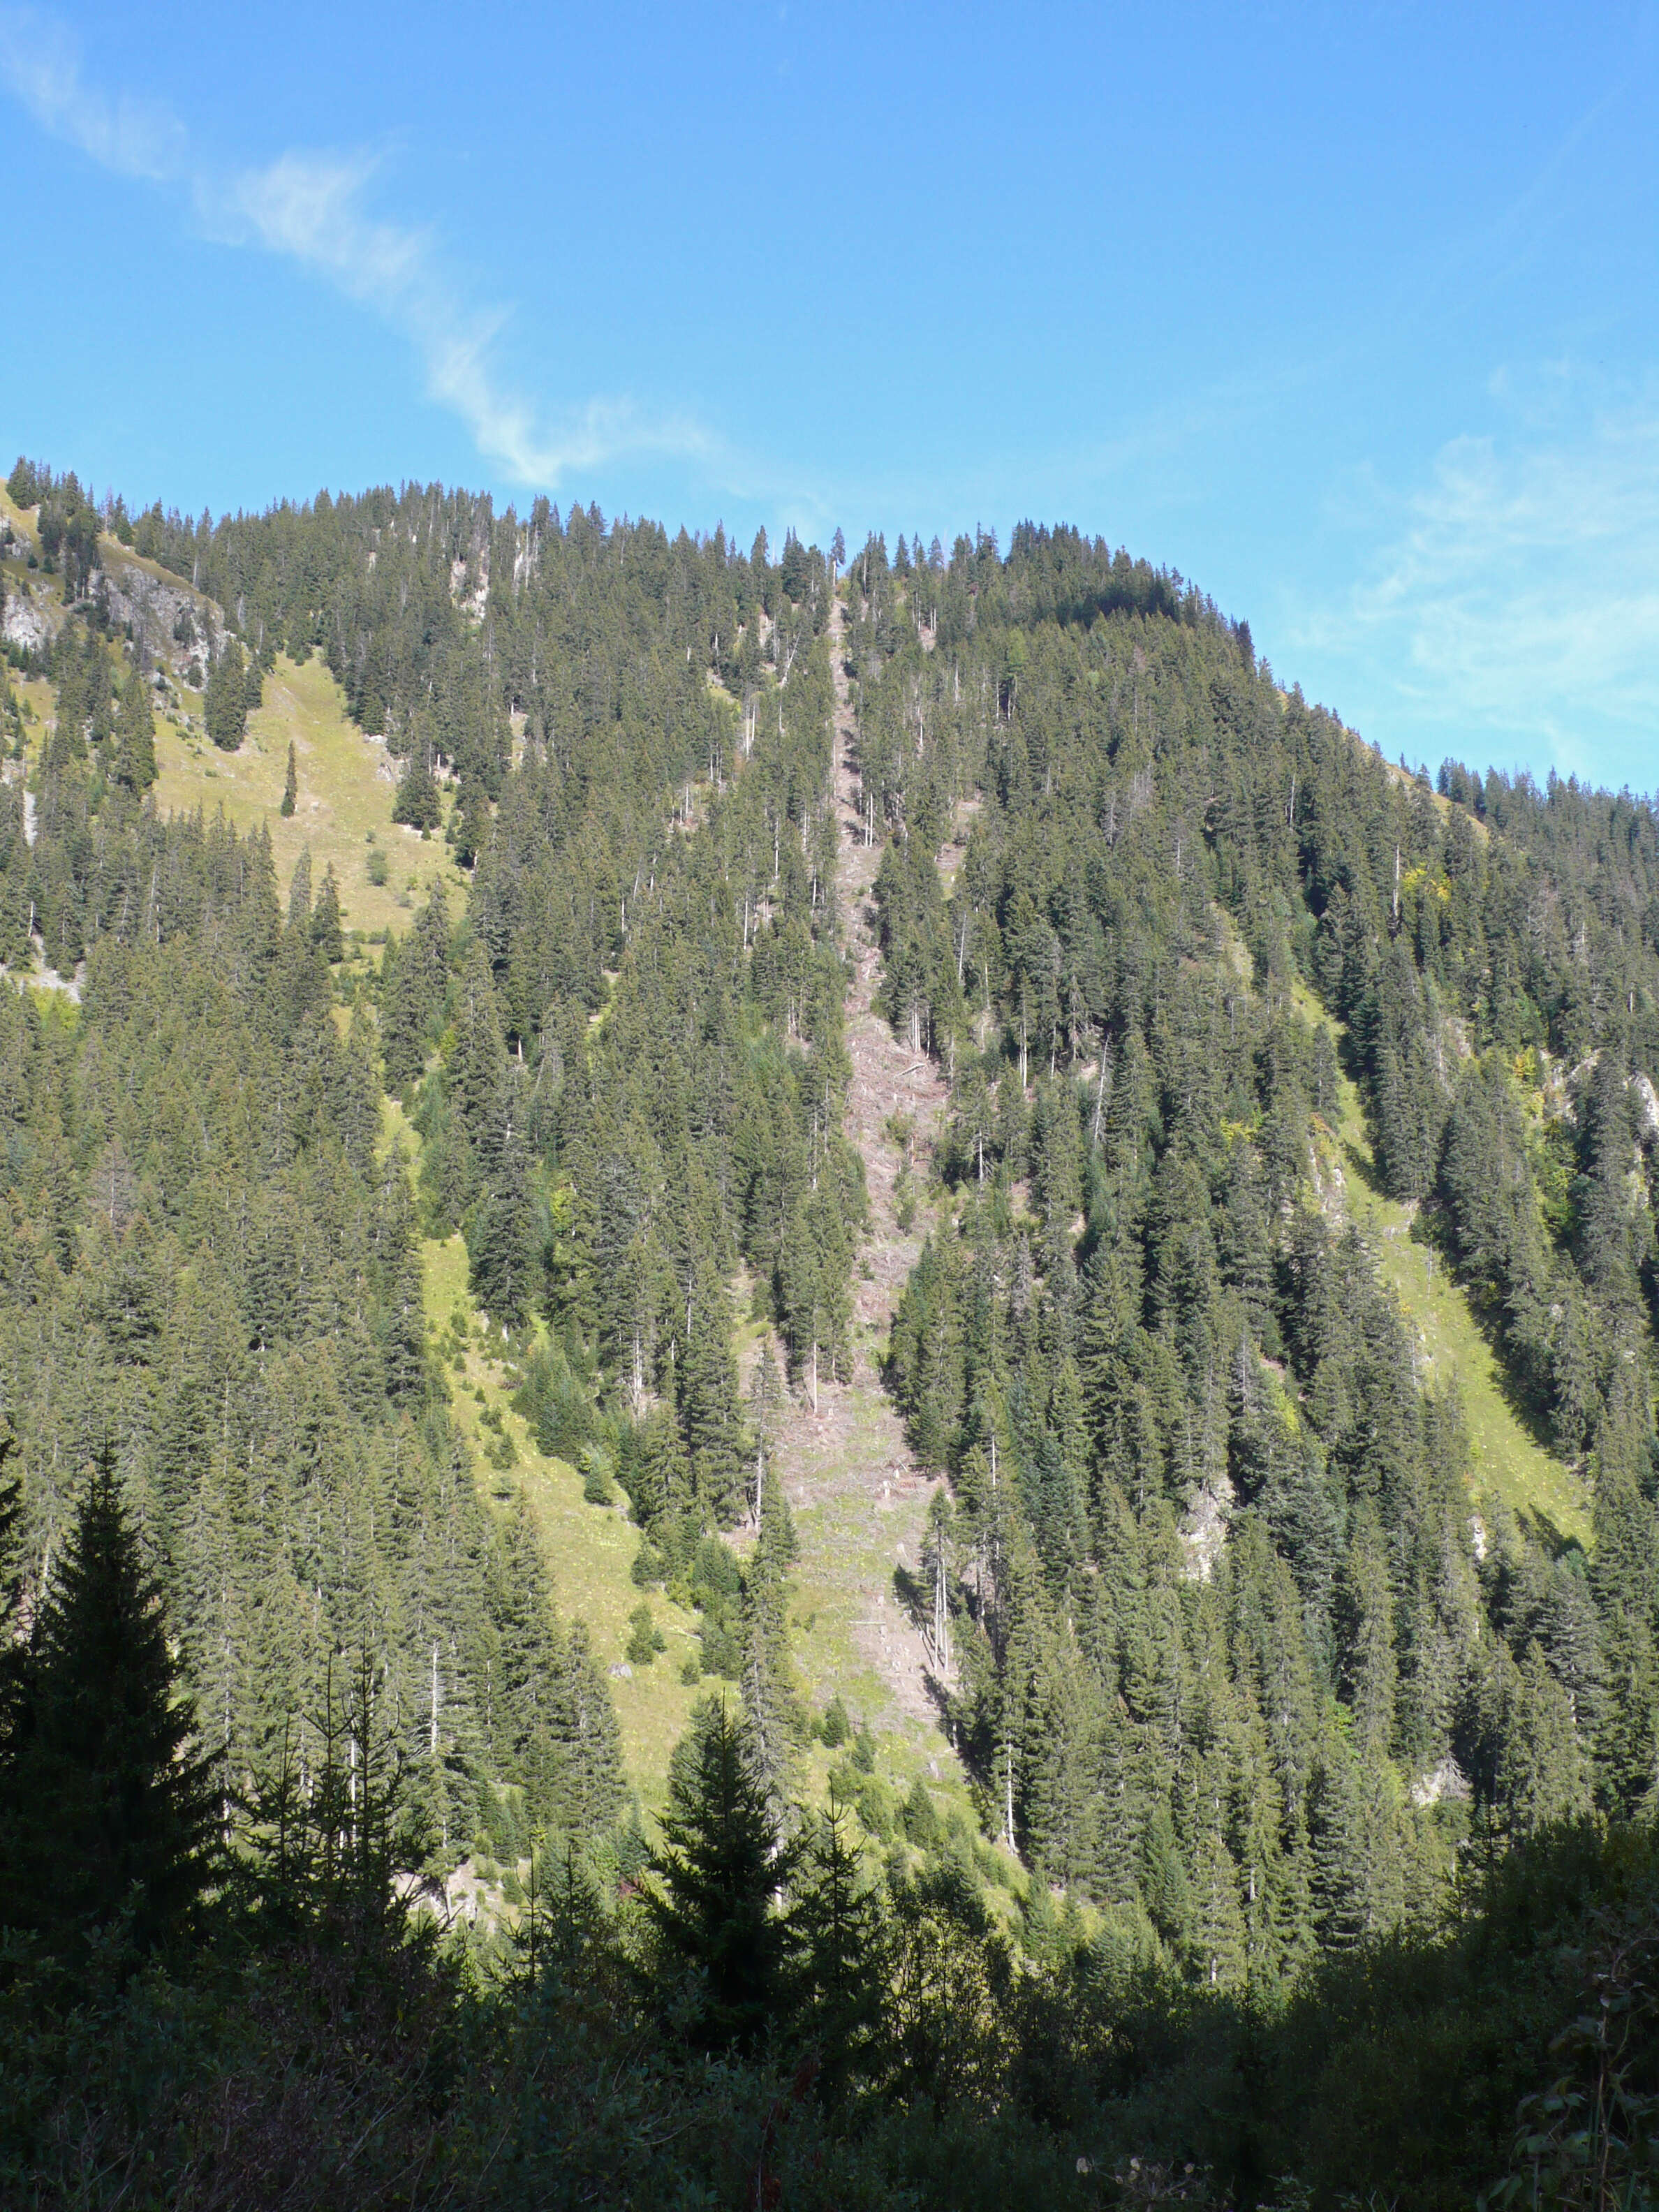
<point x="757" y="2007"/>
<point x="344" y="803"/>
<point x="1505" y="1459"/>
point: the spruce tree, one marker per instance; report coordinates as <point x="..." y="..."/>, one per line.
<point x="713" y="1898"/>
<point x="13" y="1656"/>
<point x="471" y="823"/>
<point x="1626" y="1584"/>
<point x="840" y="1982"/>
<point x="299" y="895"/>
<point x="587" y="1740"/>
<point x="224" y="705"/>
<point x="111" y="1809"/>
<point x="771" y="1717"/>
<point x="325" y="932"/>
<point x="710" y="1411"/>
<point x="503" y="1248"/>
<point x="290" y="782"/>
<point x="135" y="757"/>
<point x="416" y="802"/>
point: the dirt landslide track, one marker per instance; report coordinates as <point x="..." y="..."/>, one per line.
<point x="860" y="1501"/>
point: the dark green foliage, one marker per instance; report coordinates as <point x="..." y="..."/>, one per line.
<point x="414" y="974"/>
<point x="1143" y="1324"/>
<point x="290" y="783"/>
<point x="67" y="526"/>
<point x="332" y="1832"/>
<point x="840" y="1970"/>
<point x="645" y="1638"/>
<point x="224" y="706"/>
<point x="210" y="1262"/>
<point x="471" y="823"/>
<point x="107" y="1807"/>
<point x="716" y="1588"/>
<point x="1201" y="1598"/>
<point x="325" y="932"/>
<point x="713" y="1898"/>
<point x="13" y="1654"/>
<point x="135" y="731"/>
<point x="416" y="802"/>
<point x="771" y="1715"/>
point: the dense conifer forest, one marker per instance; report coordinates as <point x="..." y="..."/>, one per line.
<point x="1313" y="1784"/>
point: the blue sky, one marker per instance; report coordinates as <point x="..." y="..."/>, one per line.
<point x="1347" y="312"/>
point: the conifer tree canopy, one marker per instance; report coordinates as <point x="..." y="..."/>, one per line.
<point x="713" y="1900"/>
<point x="111" y="1807"/>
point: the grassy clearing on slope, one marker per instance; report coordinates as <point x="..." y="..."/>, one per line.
<point x="589" y="1549"/>
<point x="1508" y="1461"/>
<point x="346" y="792"/>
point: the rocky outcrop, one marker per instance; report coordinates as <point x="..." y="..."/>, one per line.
<point x="1204" y="1528"/>
<point x="1446" y="1782"/>
<point x="157" y="609"/>
<point x="26" y="624"/>
<point x="171" y="626"/>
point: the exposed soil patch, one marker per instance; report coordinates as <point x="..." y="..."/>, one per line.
<point x="859" y="1499"/>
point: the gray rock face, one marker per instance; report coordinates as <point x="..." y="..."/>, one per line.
<point x="153" y="606"/>
<point x="1448" y="1780"/>
<point x="1204" y="1528"/>
<point x="26" y="624"/>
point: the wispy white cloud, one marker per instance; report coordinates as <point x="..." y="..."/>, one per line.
<point x="312" y="208"/>
<point x="1516" y="598"/>
<point x="39" y="62"/>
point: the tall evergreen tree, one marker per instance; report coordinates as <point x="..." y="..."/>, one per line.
<point x="325" y="932"/>
<point x="112" y="1807"/>
<point x="838" y="1926"/>
<point x="224" y="705"/>
<point x="717" y="1876"/>
<point x="134" y="757"/>
<point x="770" y="1707"/>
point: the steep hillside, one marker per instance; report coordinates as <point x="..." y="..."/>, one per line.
<point x="1274" y="1332"/>
<point x="343" y="814"/>
<point x="1506" y="1459"/>
<point x="859" y="1498"/>
<point x="859" y="1503"/>
<point x="888" y="1075"/>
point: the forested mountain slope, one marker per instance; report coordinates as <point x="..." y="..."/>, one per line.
<point x="587" y="1115"/>
<point x="1233" y="1639"/>
<point x="614" y="1101"/>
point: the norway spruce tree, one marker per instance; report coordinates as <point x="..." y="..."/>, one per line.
<point x="840" y="1985"/>
<point x="109" y="1805"/>
<point x="418" y="803"/>
<point x="134" y="727"/>
<point x="770" y="1712"/>
<point x="224" y="705"/>
<point x="325" y="932"/>
<point x="713" y="1899"/>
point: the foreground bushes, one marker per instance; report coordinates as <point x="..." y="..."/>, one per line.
<point x="364" y="2061"/>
